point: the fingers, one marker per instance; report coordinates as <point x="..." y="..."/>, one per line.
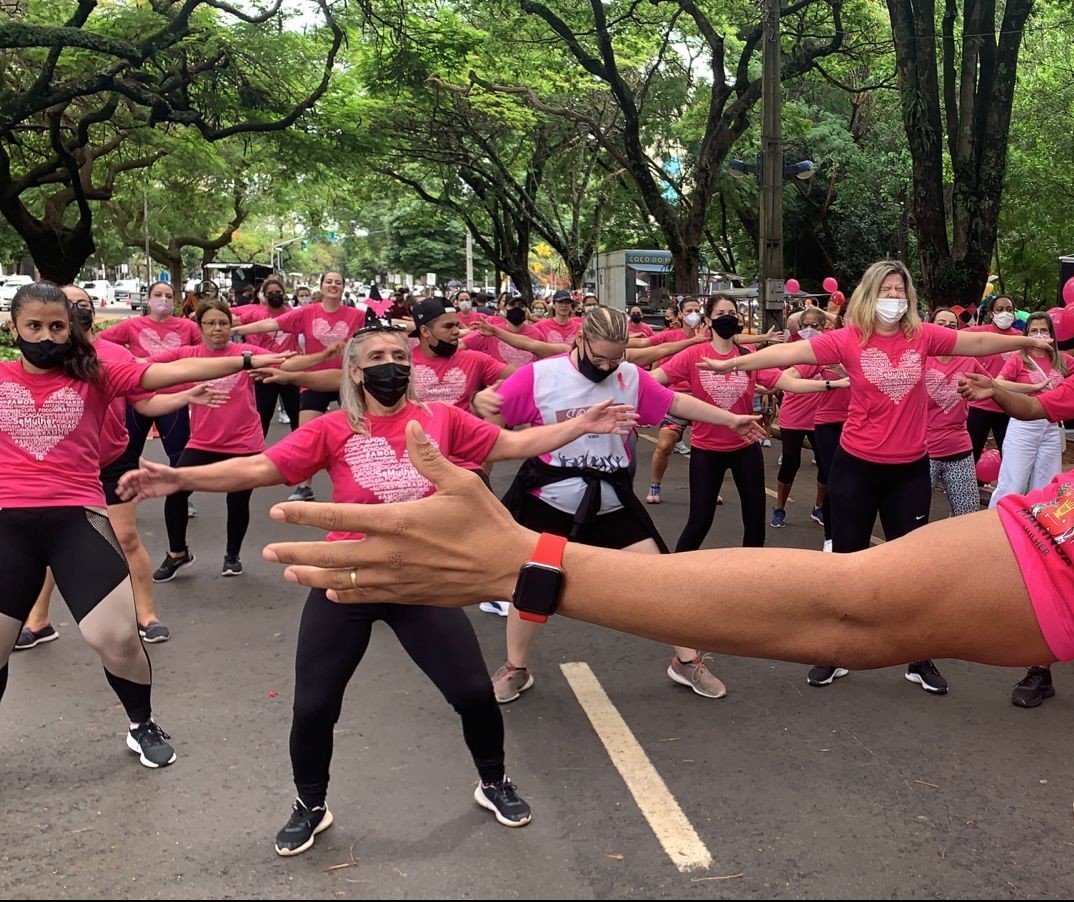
<point x="428" y="461"/>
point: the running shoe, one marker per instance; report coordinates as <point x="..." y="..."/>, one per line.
<point x="503" y="801"/>
<point x="29" y="638"/>
<point x="191" y="511"/>
<point x="510" y="682"/>
<point x="719" y="499"/>
<point x="779" y="518"/>
<point x="682" y="448"/>
<point x="827" y="546"/>
<point x="232" y="565"/>
<point x="654" y="494"/>
<point x="170" y="566"/>
<point x="494" y="607"/>
<point x="301" y="493"/>
<point x="1035" y="687"/>
<point x="283" y="419"/>
<point x="154" y="632"/>
<point x="925" y="674"/>
<point x="825" y="675"/>
<point x="766" y="443"/>
<point x="151" y="744"/>
<point x="302" y="826"/>
<point x="817" y="515"/>
<point x="696" y="675"/>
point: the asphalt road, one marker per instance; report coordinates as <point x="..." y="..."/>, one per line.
<point x="866" y="789"/>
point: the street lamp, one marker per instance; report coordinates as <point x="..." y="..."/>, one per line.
<point x="803" y="171"/>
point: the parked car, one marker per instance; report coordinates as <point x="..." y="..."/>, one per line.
<point x="10" y="286"/>
<point x="100" y="290"/>
<point x="129" y="291"/>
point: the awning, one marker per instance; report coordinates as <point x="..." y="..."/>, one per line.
<point x="650" y="267"/>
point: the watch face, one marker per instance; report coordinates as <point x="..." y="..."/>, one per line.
<point x="538" y="588"/>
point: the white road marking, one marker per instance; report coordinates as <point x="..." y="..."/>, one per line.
<point x="666" y="819"/>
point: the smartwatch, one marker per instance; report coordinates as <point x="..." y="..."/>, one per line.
<point x="247" y="360"/>
<point x="540" y="580"/>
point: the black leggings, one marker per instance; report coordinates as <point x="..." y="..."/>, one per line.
<point x="88" y="564"/>
<point x="979" y="422"/>
<point x="825" y="441"/>
<point x="707" y="469"/>
<point x="791" y="462"/>
<point x="266" y="395"/>
<point x="332" y="640"/>
<point x="238" y="506"/>
<point x="174" y="429"/>
<point x="861" y="489"/>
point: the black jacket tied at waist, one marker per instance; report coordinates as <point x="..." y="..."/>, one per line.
<point x="535" y="473"/>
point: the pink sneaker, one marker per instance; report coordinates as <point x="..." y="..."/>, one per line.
<point x="697" y="676"/>
<point x="510" y="682"/>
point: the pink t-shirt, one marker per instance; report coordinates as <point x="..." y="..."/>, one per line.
<point x="886" y="420"/>
<point x="831" y="405"/>
<point x="278" y="342"/>
<point x="552" y="390"/>
<point x="945" y="431"/>
<point x="319" y="328"/>
<point x="994" y="363"/>
<point x="732" y="392"/>
<point x="1039" y="527"/>
<point x="114" y="436"/>
<point x="1059" y="402"/>
<point x="667" y="335"/>
<point x="375" y="468"/>
<point x="642" y="329"/>
<point x="799" y="411"/>
<point x="455" y="379"/>
<point x="235" y="427"/>
<point x="500" y="350"/>
<point x="467" y="320"/>
<point x="146" y="338"/>
<point x="552" y="332"/>
<point x="1016" y="370"/>
<point x="50" y="433"/>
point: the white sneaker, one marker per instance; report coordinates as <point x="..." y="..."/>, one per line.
<point x="284" y="419"/>
<point x="766" y="443"/>
<point x="494" y="607"/>
<point x="682" y="448"/>
<point x="827" y="545"/>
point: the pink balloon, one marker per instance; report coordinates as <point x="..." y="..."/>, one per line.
<point x="793" y="287"/>
<point x="1064" y="329"/>
<point x="1068" y="292"/>
<point x="831" y="285"/>
<point x="988" y="466"/>
<point x="1055" y="314"/>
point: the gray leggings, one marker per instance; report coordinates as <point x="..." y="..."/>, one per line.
<point x="959" y="480"/>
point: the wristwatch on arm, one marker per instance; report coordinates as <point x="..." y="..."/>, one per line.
<point x="540" y="580"/>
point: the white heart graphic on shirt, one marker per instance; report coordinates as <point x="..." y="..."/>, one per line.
<point x="942" y="390"/>
<point x="37" y="430"/>
<point x="225" y="383"/>
<point x="376" y="468"/>
<point x="326" y="333"/>
<point x="447" y="388"/>
<point x="896" y="381"/>
<point x="724" y="389"/>
<point x="511" y="355"/>
<point x="155" y="344"/>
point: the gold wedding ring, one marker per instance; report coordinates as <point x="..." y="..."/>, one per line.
<point x="354" y="579"/>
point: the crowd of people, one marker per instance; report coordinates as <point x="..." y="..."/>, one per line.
<point x="393" y="399"/>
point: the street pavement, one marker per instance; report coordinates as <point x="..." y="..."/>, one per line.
<point x="869" y="788"/>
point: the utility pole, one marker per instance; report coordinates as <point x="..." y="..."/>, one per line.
<point x="770" y="251"/>
<point x="469" y="261"/>
<point x="145" y="224"/>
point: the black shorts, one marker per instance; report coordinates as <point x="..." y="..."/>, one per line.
<point x="617" y="529"/>
<point x="311" y="399"/>
<point x="110" y="475"/>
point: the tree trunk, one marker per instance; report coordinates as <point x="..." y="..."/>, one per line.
<point x="59" y="253"/>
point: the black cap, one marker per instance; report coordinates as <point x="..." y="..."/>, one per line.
<point x="561" y="296"/>
<point x="426" y="311"/>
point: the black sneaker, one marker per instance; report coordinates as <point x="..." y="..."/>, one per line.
<point x="1035" y="687"/>
<point x="154" y="632"/>
<point x="302" y="493"/>
<point x="232" y="565"/>
<point x="925" y="674"/>
<point x="170" y="566"/>
<point x="825" y="675"/>
<point x="151" y="744"/>
<point x="29" y="638"/>
<point x="502" y="800"/>
<point x="303" y="825"/>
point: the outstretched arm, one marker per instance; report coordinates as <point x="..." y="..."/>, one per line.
<point x="687" y="407"/>
<point x="776" y="357"/>
<point x="153" y="480"/>
<point x="984" y="344"/>
<point x="201" y="369"/>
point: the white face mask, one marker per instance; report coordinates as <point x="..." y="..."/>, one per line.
<point x="465" y="306"/>
<point x="808" y="332"/>
<point x="1003" y="320"/>
<point x="691" y="320"/>
<point x="890" y="310"/>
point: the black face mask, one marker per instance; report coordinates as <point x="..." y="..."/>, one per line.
<point x="590" y="370"/>
<point x="45" y="355"/>
<point x="444" y="348"/>
<point x="635" y="317"/>
<point x="516" y="316"/>
<point x="726" y="326"/>
<point x="387" y="382"/>
<point x="274" y="300"/>
<point x="84" y="318"/>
